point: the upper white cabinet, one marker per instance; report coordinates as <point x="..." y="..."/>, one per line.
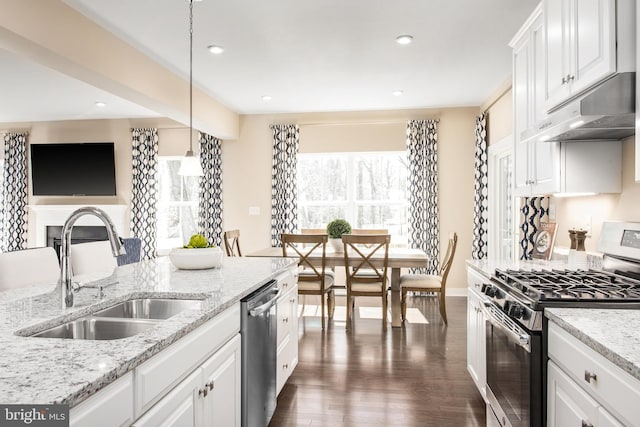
<point x="535" y="162"/>
<point x="570" y="167"/>
<point x="562" y="35"/>
<point x="586" y="41"/>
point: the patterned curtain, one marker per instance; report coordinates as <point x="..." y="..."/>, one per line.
<point x="144" y="191"/>
<point x="480" y="205"/>
<point x="533" y="210"/>
<point x="284" y="194"/>
<point x="13" y="211"/>
<point x="424" y="221"/>
<point x="210" y="211"/>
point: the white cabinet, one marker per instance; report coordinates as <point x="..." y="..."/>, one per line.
<point x="586" y="41"/>
<point x="569" y="405"/>
<point x="157" y="376"/>
<point x="584" y="388"/>
<point x="209" y="396"/>
<point x="535" y="162"/>
<point x="580" y="46"/>
<point x="112" y="406"/>
<point x="476" y="343"/>
<point x="287" y="331"/>
<point x="570" y="167"/>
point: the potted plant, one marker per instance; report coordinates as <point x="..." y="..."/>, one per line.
<point x="335" y="230"/>
<point x="196" y="255"/>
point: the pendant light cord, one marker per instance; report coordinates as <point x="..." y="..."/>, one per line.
<point x="191" y="76"/>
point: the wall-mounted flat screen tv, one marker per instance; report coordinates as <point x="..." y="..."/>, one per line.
<point x="80" y="169"/>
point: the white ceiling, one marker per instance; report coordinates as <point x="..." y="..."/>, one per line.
<point x="310" y="56"/>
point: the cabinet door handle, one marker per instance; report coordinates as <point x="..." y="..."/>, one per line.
<point x="586" y="424"/>
<point x="588" y="376"/>
<point x="285" y="320"/>
<point x="285" y="366"/>
<point x="570" y="78"/>
<point x="203" y="392"/>
<point x="209" y="385"/>
<point x="292" y="300"/>
<point x="564" y="81"/>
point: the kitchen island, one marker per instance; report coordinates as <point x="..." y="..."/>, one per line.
<point x="68" y="371"/>
<point x="593" y="375"/>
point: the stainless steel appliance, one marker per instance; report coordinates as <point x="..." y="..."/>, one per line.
<point x="514" y="304"/>
<point x="259" y="348"/>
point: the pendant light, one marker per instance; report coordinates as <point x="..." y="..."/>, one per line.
<point x="190" y="165"/>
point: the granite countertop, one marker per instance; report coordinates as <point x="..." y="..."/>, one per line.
<point x="560" y="261"/>
<point x="53" y="370"/>
<point x="615" y="334"/>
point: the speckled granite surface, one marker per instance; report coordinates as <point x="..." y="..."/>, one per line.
<point x="615" y="334"/>
<point x="50" y="370"/>
<point x="487" y="268"/>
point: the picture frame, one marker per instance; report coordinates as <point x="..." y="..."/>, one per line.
<point x="544" y="241"/>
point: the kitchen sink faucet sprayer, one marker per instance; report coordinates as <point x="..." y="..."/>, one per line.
<point x="66" y="276"/>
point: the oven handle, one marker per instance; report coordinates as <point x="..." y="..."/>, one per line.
<point x="521" y="338"/>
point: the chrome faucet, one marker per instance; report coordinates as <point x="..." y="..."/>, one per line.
<point x="66" y="276"/>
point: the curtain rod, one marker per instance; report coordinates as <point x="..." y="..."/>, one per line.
<point x="381" y="122"/>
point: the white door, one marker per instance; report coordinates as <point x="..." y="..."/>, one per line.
<point x="567" y="403"/>
<point x="556" y="15"/>
<point x="546" y="167"/>
<point x="222" y="378"/>
<point x="502" y="214"/>
<point x="593" y="42"/>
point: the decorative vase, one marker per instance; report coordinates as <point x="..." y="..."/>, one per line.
<point x="337" y="245"/>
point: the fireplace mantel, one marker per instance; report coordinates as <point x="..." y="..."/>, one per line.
<point x="41" y="216"/>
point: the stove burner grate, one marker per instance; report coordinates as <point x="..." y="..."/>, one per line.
<point x="568" y="284"/>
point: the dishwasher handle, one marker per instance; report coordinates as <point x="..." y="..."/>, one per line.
<point x="261" y="309"/>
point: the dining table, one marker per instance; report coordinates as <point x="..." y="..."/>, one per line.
<point x="398" y="258"/>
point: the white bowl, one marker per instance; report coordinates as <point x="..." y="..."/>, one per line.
<point x="196" y="258"/>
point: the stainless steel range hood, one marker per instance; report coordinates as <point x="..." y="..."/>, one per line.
<point x="607" y="112"/>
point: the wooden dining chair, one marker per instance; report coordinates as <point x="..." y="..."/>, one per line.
<point x="313" y="279"/>
<point x="429" y="282"/>
<point x="232" y="242"/>
<point x="366" y="260"/>
<point x="28" y="267"/>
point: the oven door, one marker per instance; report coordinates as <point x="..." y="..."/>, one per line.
<point x="514" y="376"/>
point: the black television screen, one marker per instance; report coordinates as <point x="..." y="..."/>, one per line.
<point x="83" y="169"/>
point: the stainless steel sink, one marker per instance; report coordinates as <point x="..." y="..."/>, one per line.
<point x="92" y="328"/>
<point x="149" y="308"/>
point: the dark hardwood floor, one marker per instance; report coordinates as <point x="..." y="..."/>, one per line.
<point x="367" y="376"/>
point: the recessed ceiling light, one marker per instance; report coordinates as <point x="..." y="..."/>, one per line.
<point x="404" y="39"/>
<point x="397" y="93"/>
<point x="215" y="49"/>
<point x="100" y="104"/>
<point x="266" y="98"/>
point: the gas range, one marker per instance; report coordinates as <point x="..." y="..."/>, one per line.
<point x="514" y="304"/>
<point x="523" y="295"/>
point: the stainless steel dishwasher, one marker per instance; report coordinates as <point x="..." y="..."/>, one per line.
<point x="259" y="348"/>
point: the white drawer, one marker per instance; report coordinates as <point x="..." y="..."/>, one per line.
<point x="111" y="406"/>
<point x="612" y="387"/>
<point x="155" y="377"/>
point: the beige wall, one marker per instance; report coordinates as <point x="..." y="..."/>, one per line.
<point x="571" y="212"/>
<point x="247" y="166"/>
<point x="500" y="118"/>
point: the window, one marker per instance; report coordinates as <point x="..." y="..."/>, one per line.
<point x="177" y="205"/>
<point x="367" y="189"/>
